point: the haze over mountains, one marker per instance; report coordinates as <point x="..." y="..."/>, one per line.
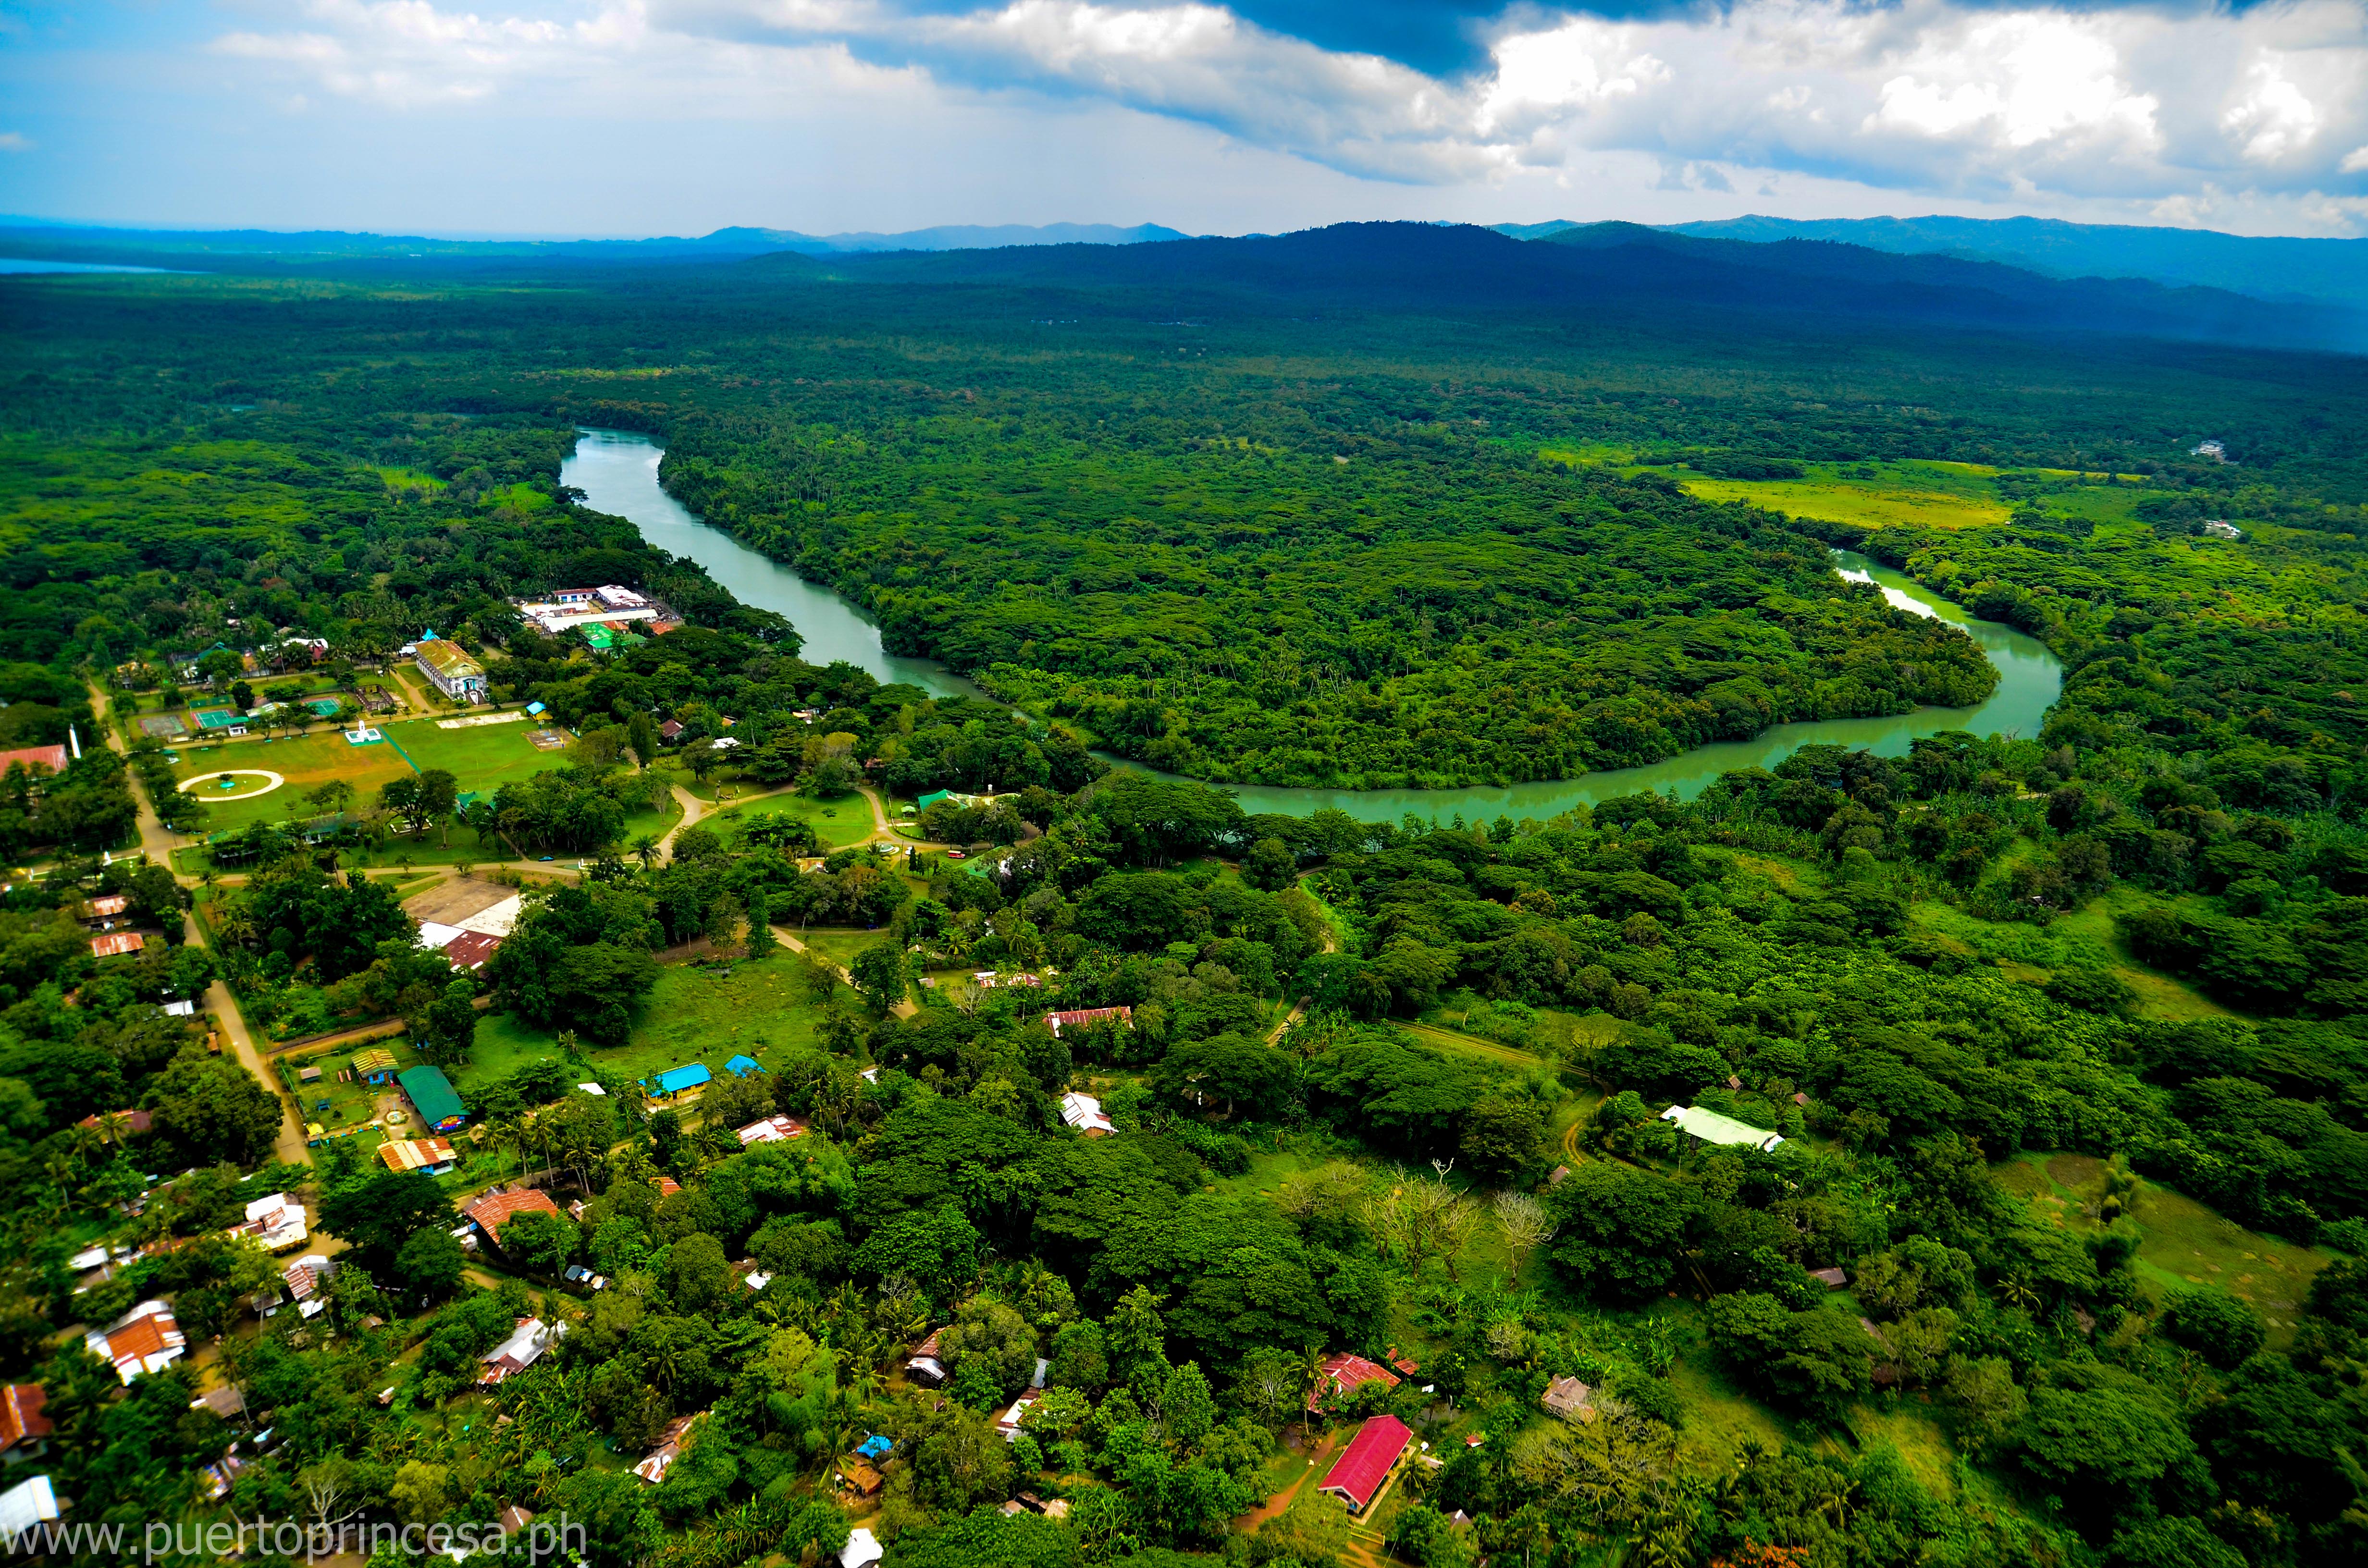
<point x="2015" y="275"/>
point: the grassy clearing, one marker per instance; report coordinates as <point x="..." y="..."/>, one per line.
<point x="1908" y="494"/>
<point x="837" y="824"/>
<point x="707" y="1014"/>
<point x="1472" y="1045"/>
<point x="2183" y="1242"/>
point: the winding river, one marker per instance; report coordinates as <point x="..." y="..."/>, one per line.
<point x="618" y="471"/>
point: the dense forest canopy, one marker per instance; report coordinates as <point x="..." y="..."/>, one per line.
<point x="2061" y="1033"/>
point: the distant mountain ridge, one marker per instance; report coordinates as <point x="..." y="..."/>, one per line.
<point x="1585" y="268"/>
<point x="1574" y="270"/>
<point x="56" y="241"/>
<point x="2267" y="267"/>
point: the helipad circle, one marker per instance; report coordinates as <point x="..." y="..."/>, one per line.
<point x="207" y="786"/>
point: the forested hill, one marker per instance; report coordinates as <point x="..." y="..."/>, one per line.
<point x="2269" y="265"/>
<point x="1629" y="267"/>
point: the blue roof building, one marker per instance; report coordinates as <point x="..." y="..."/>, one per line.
<point x="674" y="1080"/>
<point x="741" y="1066"/>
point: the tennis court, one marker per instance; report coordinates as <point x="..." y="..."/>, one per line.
<point x="218" y="717"/>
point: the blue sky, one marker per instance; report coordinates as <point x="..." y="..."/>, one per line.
<point x="638" y="116"/>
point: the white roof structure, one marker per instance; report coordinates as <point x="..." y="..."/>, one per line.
<point x="34" y="1502"/>
<point x="1712" y="1128"/>
<point x="522" y="1350"/>
<point x="1084" y="1112"/>
<point x="494" y="919"/>
<point x="436" y="936"/>
<point x="277" y="1221"/>
<point x="861" y="1550"/>
<point x="772" y="1129"/>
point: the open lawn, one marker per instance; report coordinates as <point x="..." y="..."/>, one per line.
<point x="1914" y="495"/>
<point x="306" y="762"/>
<point x="2183" y="1243"/>
<point x="837" y="823"/>
<point x="707" y="1012"/>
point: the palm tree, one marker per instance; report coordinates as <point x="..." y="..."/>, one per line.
<point x="646" y="850"/>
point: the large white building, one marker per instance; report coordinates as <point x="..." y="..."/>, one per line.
<point x="456" y="674"/>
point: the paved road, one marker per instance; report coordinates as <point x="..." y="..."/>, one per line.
<point x="158" y="843"/>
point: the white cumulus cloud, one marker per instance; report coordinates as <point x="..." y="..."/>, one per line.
<point x="2179" y="107"/>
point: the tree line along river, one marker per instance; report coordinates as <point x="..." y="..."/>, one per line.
<point x="618" y="472"/>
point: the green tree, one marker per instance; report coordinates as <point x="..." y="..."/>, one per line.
<point x="1622" y="1229"/>
<point x="2214" y="1324"/>
<point x="429" y="1264"/>
<point x="379" y="1213"/>
<point x="211" y="1108"/>
<point x="879" y="975"/>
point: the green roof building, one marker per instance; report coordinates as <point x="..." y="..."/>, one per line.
<point x="432" y="1096"/>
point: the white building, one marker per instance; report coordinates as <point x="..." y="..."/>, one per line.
<point x="1084" y="1112"/>
<point x="456" y="674"/>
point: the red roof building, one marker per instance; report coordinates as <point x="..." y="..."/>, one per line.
<point x="1343" y="1376"/>
<point x="21" y="1421"/>
<point x="1372" y="1454"/>
<point x="470" y="950"/>
<point x="498" y="1209"/>
<point x="115" y="944"/>
<point x="51" y="757"/>
<point x="1084" y="1018"/>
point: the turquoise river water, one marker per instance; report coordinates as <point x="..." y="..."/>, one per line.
<point x="618" y="472"/>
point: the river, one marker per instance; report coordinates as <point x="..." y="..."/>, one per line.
<point x="618" y="472"/>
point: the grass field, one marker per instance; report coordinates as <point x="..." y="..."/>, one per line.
<point x="1918" y="495"/>
<point x="707" y="1014"/>
<point x="2185" y="1243"/>
<point x="837" y="823"/>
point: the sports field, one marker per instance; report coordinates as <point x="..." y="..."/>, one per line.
<point x="480" y="758"/>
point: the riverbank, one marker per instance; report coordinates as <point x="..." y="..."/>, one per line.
<point x="618" y="471"/>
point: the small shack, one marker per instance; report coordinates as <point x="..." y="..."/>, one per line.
<point x="1569" y="1399"/>
<point x="374" y="1066"/>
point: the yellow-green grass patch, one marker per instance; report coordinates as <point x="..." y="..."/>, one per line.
<point x="837" y="824"/>
<point x="704" y="1013"/>
<point x="2182" y="1242"/>
<point x="306" y="762"/>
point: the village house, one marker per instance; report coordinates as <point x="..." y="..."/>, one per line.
<point x="924" y="1363"/>
<point x="495" y="1210"/>
<point x="1008" y="1422"/>
<point x="523" y="1349"/>
<point x="24" y="1430"/>
<point x="653" y="1466"/>
<point x="1356" y="1477"/>
<point x="433" y="1155"/>
<point x="1084" y="1112"/>
<point x="1340" y="1375"/>
<point x="145" y="1339"/>
<point x="772" y="1129"/>
<point x="1085" y="1017"/>
<point x="276" y="1222"/>
<point x="432" y="1096"/>
<point x="1569" y="1399"/>
<point x="374" y="1066"/>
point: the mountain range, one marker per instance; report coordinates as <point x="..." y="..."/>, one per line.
<point x="1943" y="272"/>
<point x="2268" y="268"/>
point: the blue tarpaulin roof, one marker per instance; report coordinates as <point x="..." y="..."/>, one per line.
<point x="871" y="1447"/>
<point x="741" y="1066"/>
<point x="674" y="1080"/>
